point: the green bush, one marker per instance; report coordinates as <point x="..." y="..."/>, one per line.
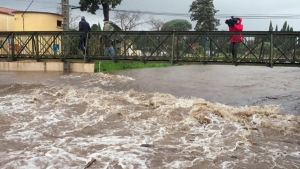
<point x="110" y="66"/>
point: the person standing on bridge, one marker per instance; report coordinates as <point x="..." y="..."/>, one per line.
<point x="84" y="26"/>
<point x="108" y="42"/>
<point x="237" y="26"/>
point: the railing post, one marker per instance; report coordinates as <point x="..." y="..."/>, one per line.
<point x="271" y="49"/>
<point x="173" y="48"/>
<point x="86" y="47"/>
<point x="294" y="53"/>
<point x="177" y="47"/>
<point x="12" y="46"/>
<point x="116" y="57"/>
<point x="62" y="46"/>
<point x="37" y="47"/>
<point x="204" y="46"/>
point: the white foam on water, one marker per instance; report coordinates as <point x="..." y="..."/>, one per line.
<point x="178" y="164"/>
<point x="227" y="165"/>
<point x="296" y="154"/>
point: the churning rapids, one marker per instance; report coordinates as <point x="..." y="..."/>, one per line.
<point x="202" y="117"/>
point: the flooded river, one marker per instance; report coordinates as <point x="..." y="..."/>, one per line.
<point x="177" y="117"/>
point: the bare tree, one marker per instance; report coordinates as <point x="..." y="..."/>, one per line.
<point x="155" y="24"/>
<point x="128" y="20"/>
<point x="73" y="22"/>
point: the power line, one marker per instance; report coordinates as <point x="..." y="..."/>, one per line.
<point x="38" y="1"/>
<point x="220" y="16"/>
<point x="27" y="8"/>
<point x="24" y="13"/>
<point x="42" y="8"/>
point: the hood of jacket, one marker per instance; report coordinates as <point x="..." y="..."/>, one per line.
<point x="241" y="19"/>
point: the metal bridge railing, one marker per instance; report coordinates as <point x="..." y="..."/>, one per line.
<point x="269" y="48"/>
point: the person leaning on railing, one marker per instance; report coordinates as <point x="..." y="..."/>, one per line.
<point x="235" y="25"/>
<point x="108" y="42"/>
<point x="84" y="26"/>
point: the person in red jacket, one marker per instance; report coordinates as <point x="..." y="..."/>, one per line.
<point x="236" y="38"/>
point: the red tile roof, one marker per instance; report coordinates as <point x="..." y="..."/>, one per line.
<point x="8" y="11"/>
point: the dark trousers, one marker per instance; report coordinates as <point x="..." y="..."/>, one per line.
<point x="82" y="45"/>
<point x="233" y="49"/>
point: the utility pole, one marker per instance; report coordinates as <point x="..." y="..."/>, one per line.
<point x="66" y="19"/>
<point x="66" y="14"/>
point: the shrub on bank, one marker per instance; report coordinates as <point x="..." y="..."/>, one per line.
<point x="110" y="66"/>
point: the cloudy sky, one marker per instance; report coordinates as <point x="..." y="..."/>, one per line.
<point x="272" y="8"/>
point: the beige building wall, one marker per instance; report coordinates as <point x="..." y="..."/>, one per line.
<point x="6" y="22"/>
<point x="37" y="21"/>
<point x="31" y="21"/>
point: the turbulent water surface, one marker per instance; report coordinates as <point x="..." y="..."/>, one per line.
<point x="179" y="117"/>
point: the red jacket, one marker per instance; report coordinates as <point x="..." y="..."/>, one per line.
<point x="236" y="28"/>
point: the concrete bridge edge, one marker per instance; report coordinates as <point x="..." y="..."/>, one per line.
<point x="46" y="66"/>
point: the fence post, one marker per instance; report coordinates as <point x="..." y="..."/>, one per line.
<point x="86" y="47"/>
<point x="294" y="53"/>
<point x="62" y="46"/>
<point x="37" y="47"/>
<point x="173" y="48"/>
<point x="12" y="46"/>
<point x="271" y="49"/>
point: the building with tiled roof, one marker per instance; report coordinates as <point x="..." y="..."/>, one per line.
<point x="6" y="11"/>
<point x="15" y="20"/>
<point x="6" y="19"/>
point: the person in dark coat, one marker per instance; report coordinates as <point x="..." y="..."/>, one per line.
<point x="84" y="26"/>
<point x="236" y="38"/>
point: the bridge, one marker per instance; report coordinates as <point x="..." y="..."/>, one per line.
<point x="257" y="48"/>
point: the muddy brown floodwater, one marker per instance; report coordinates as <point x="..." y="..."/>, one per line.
<point x="236" y="86"/>
<point x="177" y="117"/>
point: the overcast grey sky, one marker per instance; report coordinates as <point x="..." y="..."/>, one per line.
<point x="231" y="7"/>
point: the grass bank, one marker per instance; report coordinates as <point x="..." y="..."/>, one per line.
<point x="104" y="66"/>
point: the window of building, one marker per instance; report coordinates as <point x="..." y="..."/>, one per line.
<point x="59" y="23"/>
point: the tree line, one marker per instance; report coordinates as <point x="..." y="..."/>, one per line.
<point x="285" y="27"/>
<point x="202" y="12"/>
